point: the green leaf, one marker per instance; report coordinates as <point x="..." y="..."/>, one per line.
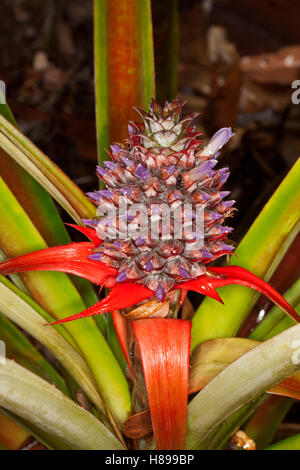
<point x="23" y="311"/>
<point x="123" y="64"/>
<point x="41" y="210"/>
<point x="47" y="173"/>
<point x="264" y="424"/>
<point x="291" y="443"/>
<point x="6" y="111"/>
<point x="260" y="252"/>
<point x="18" y="347"/>
<point x="58" y="296"/>
<point x="244" y="380"/>
<point x="38" y="402"/>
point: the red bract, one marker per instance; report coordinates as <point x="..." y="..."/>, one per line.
<point x="165" y="349"/>
<point x="73" y="259"/>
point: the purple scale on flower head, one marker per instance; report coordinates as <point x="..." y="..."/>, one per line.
<point x="202" y="170"/>
<point x="206" y="254"/>
<point x="127" y="161"/>
<point x="111" y="165"/>
<point x="106" y="193"/>
<point x="101" y="171"/>
<point x="228" y="204"/>
<point x="96" y="256"/>
<point x="215" y="216"/>
<point x="94" y="195"/>
<point x="115" y="149"/>
<point x="225" y="247"/>
<point x="90" y="222"/>
<point x="170" y="169"/>
<point x="131" y="129"/>
<point x="184" y="273"/>
<point x="148" y="266"/>
<point x="225" y="229"/>
<point x="142" y="172"/>
<point x="122" y="276"/>
<point x="224" y="177"/>
<point x="139" y="241"/>
<point x="205" y="196"/>
<point x="130" y="217"/>
<point x="117" y="245"/>
<point x="224" y="193"/>
<point x="218" y="140"/>
<point x="160" y="293"/>
<point x="126" y="191"/>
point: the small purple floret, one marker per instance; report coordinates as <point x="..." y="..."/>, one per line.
<point x="142" y="172"/>
<point x="105" y="193"/>
<point x="90" y="222"/>
<point x="225" y="229"/>
<point x="224" y="177"/>
<point x="225" y="247"/>
<point x="148" y="266"/>
<point x="218" y="140"/>
<point x="206" y="254"/>
<point x="202" y="170"/>
<point x="126" y="191"/>
<point x="228" y="204"/>
<point x="216" y="216"/>
<point x="122" y="276"/>
<point x="160" y="293"/>
<point x="205" y="196"/>
<point x="184" y="273"/>
<point x="101" y="171"/>
<point x="139" y="241"/>
<point x="127" y="162"/>
<point x="95" y="256"/>
<point x="115" y="148"/>
<point x="94" y="195"/>
<point x="171" y="169"/>
<point x="111" y="165"/>
<point x="224" y="193"/>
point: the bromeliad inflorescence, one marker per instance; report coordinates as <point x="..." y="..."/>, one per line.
<point x="161" y="167"/>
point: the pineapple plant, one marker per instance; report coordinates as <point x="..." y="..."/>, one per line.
<point x="166" y="387"/>
<point x="160" y="164"/>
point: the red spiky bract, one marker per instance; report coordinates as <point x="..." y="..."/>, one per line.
<point x="71" y="258"/>
<point x="164" y="345"/>
<point x="243" y="277"/>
